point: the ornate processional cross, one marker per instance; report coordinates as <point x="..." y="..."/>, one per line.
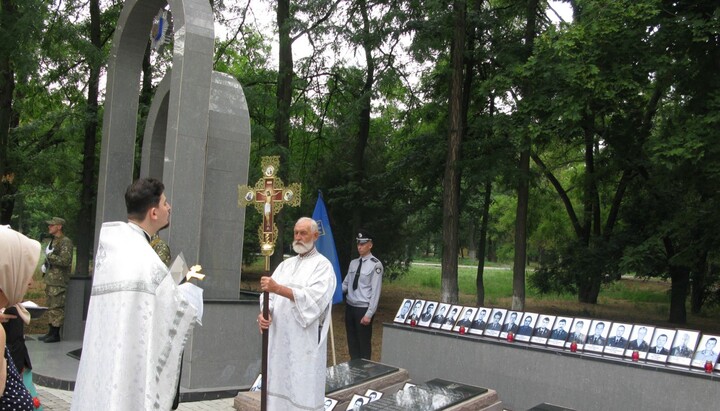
<point x="268" y="196"/>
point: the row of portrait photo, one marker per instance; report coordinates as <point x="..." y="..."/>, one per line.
<point x="679" y="347"/>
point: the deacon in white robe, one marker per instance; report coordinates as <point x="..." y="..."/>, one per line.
<point x="138" y="317"/>
<point x="300" y="291"/>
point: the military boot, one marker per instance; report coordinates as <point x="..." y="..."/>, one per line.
<point x="46" y="336"/>
<point x="54" y="335"/>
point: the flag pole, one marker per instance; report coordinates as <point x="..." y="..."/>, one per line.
<point x="332" y="341"/>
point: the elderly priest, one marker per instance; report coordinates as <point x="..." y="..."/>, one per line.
<point x="300" y="295"/>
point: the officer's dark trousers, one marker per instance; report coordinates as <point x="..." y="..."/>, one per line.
<point x="358" y="335"/>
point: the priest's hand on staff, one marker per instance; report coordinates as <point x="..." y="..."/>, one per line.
<point x="263" y="324"/>
<point x="269" y="285"/>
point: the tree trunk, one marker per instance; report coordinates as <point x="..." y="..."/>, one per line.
<point x="86" y="220"/>
<point x="363" y="136"/>
<point x="588" y="292"/>
<point x="451" y="180"/>
<point x="282" y="117"/>
<point x="523" y="189"/>
<point x="698" y="291"/>
<point x="680" y="280"/>
<point x="7" y="88"/>
<point x="482" y="245"/>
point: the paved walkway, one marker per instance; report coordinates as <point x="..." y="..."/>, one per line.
<point x="59" y="400"/>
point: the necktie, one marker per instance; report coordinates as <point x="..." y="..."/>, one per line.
<point x="357" y="275"/>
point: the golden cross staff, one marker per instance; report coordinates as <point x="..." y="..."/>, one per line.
<point x="268" y="196"/>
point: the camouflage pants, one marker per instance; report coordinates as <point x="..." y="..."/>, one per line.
<point x="56" y="305"/>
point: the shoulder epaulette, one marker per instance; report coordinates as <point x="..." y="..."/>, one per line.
<point x="374" y="260"/>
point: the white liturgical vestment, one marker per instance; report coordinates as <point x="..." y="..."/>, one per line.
<point x="298" y="334"/>
<point x="137" y="324"/>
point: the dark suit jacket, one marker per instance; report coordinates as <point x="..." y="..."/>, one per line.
<point x="558" y="335"/>
<point x="543" y="332"/>
<point x="640" y="346"/>
<point x="615" y="342"/>
<point x="595" y="340"/>
<point x="464" y="323"/>
<point x="510" y="327"/>
<point x="438" y="319"/>
<point x="525" y="330"/>
<point x="653" y="350"/>
<point x="425" y="317"/>
<point x="494" y="326"/>
<point x="478" y="324"/>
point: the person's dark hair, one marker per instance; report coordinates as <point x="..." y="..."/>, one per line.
<point x="142" y="195"/>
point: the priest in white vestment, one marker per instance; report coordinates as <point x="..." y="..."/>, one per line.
<point x="138" y="318"/>
<point x="300" y="292"/>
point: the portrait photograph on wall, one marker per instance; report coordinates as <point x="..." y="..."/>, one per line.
<point x="494" y="324"/>
<point x="560" y="331"/>
<point x="428" y="311"/>
<point x="683" y="347"/>
<point x="451" y="318"/>
<point x="526" y="328"/>
<point x="639" y="340"/>
<point x="511" y="324"/>
<point x="597" y="336"/>
<point x="707" y="351"/>
<point x="660" y="345"/>
<point x="415" y="312"/>
<point x="403" y="311"/>
<point x="617" y="339"/>
<point x="480" y="321"/>
<point x="542" y="330"/>
<point x="578" y="333"/>
<point x="439" y="318"/>
<point x="466" y="318"/>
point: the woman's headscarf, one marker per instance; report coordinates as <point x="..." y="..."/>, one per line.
<point x="19" y="257"/>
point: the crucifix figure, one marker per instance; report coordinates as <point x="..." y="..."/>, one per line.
<point x="268" y="196"/>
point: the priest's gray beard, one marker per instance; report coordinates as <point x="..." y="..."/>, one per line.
<point x="301" y="247"/>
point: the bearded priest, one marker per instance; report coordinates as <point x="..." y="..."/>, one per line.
<point x="300" y="293"/>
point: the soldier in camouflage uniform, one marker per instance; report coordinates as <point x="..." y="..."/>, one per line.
<point x="56" y="270"/>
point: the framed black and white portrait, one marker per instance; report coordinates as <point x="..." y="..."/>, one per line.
<point x="452" y="317"/>
<point x="683" y="347"/>
<point x="578" y="333"/>
<point x="660" y="345"/>
<point x="560" y="331"/>
<point x="527" y="325"/>
<point x="618" y="338"/>
<point x="494" y="324"/>
<point x="707" y="351"/>
<point x="480" y="321"/>
<point x="542" y="330"/>
<point x="639" y="340"/>
<point x="511" y="324"/>
<point x="415" y="312"/>
<point x="440" y="313"/>
<point x="465" y="319"/>
<point x="257" y="385"/>
<point x="597" y="335"/>
<point x="404" y="311"/>
<point x="428" y="311"/>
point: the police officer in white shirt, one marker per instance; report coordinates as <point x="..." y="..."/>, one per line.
<point x="361" y="287"/>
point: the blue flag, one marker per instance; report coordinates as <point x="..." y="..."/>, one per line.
<point x="326" y="244"/>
